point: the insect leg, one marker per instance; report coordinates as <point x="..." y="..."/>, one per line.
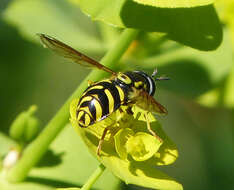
<point x="101" y="141"/>
<point x="149" y="128"/>
<point x="121" y="110"/>
<point x="129" y="110"/>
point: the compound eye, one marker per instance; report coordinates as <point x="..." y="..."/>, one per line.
<point x="124" y="78"/>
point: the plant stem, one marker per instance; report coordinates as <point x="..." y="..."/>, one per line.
<point x="93" y="178"/>
<point x="33" y="153"/>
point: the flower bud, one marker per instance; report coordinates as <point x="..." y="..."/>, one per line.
<point x="25" y="127"/>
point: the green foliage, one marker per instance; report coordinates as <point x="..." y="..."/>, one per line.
<point x="55" y="18"/>
<point x="192" y="72"/>
<point x="131" y="154"/>
<point x="128" y="136"/>
<point x="221" y="95"/>
<point x="197" y="27"/>
<point x="226" y="13"/>
<point x="1" y="166"/>
<point x="68" y="166"/>
<point x="175" y="3"/>
<point x="75" y="188"/>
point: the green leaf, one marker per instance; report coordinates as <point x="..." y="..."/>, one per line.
<point x="56" y="18"/>
<point x="1" y="164"/>
<point x="192" y="72"/>
<point x="222" y="95"/>
<point x="229" y="91"/>
<point x="73" y="188"/>
<point x="226" y="14"/>
<point x="175" y="3"/>
<point x="197" y="27"/>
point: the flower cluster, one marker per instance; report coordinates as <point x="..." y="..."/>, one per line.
<point x="129" y="150"/>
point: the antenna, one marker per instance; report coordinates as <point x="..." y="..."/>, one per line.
<point x="158" y="78"/>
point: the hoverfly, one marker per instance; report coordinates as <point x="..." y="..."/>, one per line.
<point x="104" y="97"/>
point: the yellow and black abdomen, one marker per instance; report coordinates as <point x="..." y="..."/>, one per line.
<point x="99" y="101"/>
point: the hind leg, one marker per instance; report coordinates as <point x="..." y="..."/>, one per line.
<point x="99" y="148"/>
<point x="150" y="130"/>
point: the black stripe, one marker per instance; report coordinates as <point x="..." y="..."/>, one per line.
<point x="92" y="121"/>
<point x="91" y="107"/>
<point x="103" y="99"/>
<point x="114" y="92"/>
<point x="126" y="89"/>
<point x="82" y="118"/>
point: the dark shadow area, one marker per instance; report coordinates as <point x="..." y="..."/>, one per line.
<point x="4" y="4"/>
<point x="108" y="147"/>
<point x="50" y="159"/>
<point x="198" y="27"/>
<point x="187" y="78"/>
<point x="19" y="68"/>
<point x="215" y="137"/>
<point x="149" y="171"/>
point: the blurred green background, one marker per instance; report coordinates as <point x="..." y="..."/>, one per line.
<point x="199" y="97"/>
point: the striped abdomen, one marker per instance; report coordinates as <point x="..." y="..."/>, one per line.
<point x="99" y="101"/>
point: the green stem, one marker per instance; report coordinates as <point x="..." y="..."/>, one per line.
<point x="94" y="177"/>
<point x="108" y="33"/>
<point x="39" y="146"/>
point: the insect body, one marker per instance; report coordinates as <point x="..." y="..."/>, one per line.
<point x="102" y="98"/>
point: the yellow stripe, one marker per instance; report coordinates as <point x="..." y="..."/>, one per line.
<point x="121" y="93"/>
<point x="124" y="78"/>
<point x="96" y="87"/>
<point x="85" y="99"/>
<point x="106" y="80"/>
<point x="98" y="110"/>
<point x="110" y="99"/>
<point x="87" y="120"/>
<point x="80" y="114"/>
<point x="86" y="109"/>
<point x="95" y="96"/>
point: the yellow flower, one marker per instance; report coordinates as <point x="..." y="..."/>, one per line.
<point x="129" y="150"/>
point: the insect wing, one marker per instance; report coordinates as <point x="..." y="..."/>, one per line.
<point x="70" y="53"/>
<point x="157" y="107"/>
<point x="143" y="100"/>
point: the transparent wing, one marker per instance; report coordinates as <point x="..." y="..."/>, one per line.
<point x="70" y="53"/>
<point x="143" y="100"/>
